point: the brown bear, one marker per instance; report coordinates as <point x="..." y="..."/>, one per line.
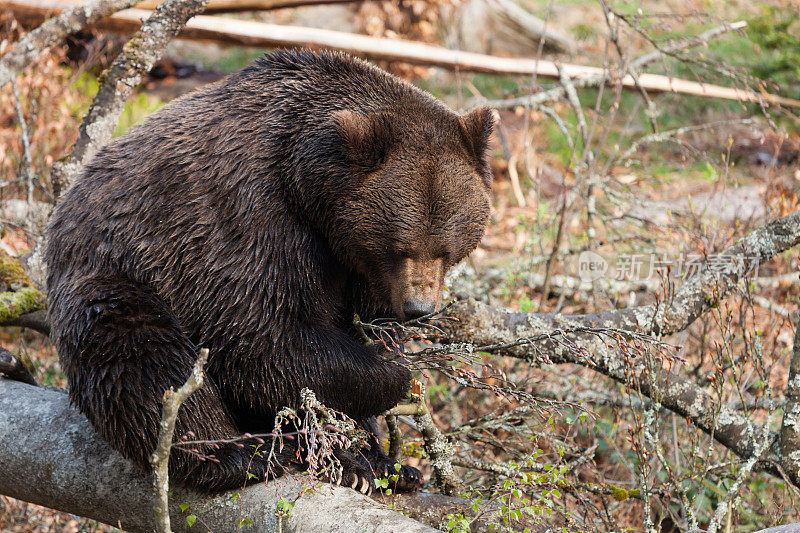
<point x="255" y="217"/>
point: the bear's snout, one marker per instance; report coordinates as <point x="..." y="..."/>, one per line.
<point x="418" y="287"/>
<point x="413" y="309"/>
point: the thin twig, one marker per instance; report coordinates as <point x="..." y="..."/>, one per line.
<point x="436" y="446"/>
<point x="395" y="438"/>
<point x="160" y="457"/>
<point x="26" y="145"/>
<point x="558" y="92"/>
<point x="481" y="324"/>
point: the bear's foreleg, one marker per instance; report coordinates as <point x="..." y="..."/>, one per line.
<point x="360" y="381"/>
<point x="345" y="374"/>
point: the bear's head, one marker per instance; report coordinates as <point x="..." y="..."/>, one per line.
<point x="417" y="200"/>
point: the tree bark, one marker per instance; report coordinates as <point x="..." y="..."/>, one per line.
<point x="238" y="6"/>
<point x="50" y="455"/>
<point x="790" y="430"/>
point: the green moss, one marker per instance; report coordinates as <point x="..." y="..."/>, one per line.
<point x="12" y="277"/>
<point x="137" y="109"/>
<point x="620" y="494"/>
<point x="20" y="302"/>
<point x="776" y="32"/>
<point x="18" y="295"/>
<point x="225" y="59"/>
<point x="584" y="32"/>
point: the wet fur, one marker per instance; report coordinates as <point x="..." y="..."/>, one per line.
<point x="254" y="217"/>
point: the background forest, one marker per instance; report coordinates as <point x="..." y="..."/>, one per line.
<point x="608" y="196"/>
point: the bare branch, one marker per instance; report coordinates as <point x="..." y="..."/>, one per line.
<point x="699" y="40"/>
<point x="137" y="57"/>
<point x="14" y="368"/>
<point x="53" y="32"/>
<point x="235" y="6"/>
<point x="528" y="336"/>
<point x="772" y="307"/>
<point x="731" y="498"/>
<point x="436" y="445"/>
<point x="514" y="18"/>
<point x="599" y="78"/>
<point x="395" y="438"/>
<point x="26" y="145"/>
<point x="790" y="431"/>
<point x="160" y="458"/>
<point x="35" y="320"/>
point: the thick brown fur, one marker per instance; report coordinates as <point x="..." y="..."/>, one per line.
<point x="254" y="217"/>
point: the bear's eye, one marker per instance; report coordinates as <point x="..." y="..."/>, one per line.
<point x="399" y="248"/>
<point x="439" y="252"/>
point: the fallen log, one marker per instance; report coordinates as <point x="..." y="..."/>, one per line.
<point x="239" y="6"/>
<point x="501" y="26"/>
<point x="50" y="455"/>
<point x="264" y="35"/>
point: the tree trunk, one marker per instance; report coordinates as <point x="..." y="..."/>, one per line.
<point x="50" y="455"/>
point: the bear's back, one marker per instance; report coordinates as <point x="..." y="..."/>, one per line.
<point x="196" y="201"/>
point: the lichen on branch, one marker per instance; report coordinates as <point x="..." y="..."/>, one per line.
<point x="18" y="295"/>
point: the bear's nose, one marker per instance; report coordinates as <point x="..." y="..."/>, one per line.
<point x="415" y="309"/>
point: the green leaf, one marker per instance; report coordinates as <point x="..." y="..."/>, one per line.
<point x="190" y="520"/>
<point x="184" y="506"/>
<point x="285" y="505"/>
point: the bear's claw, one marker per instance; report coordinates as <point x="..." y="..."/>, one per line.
<point x="357" y="481"/>
<point x="409" y="479"/>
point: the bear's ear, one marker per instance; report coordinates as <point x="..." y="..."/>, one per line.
<point x="476" y="126"/>
<point x="364" y="139"/>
